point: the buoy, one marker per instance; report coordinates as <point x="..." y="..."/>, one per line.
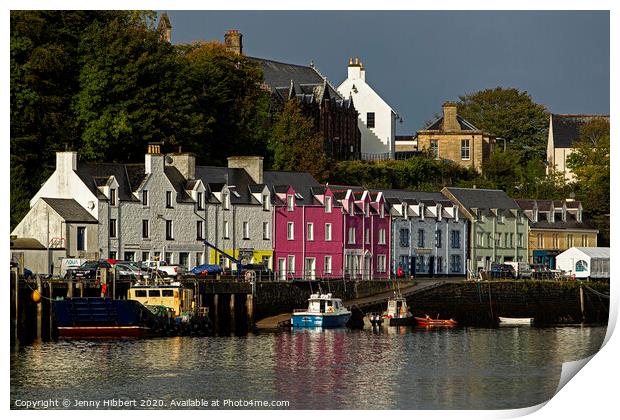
<point x="36" y="296"/>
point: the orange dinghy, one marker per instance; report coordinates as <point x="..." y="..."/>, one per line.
<point x="430" y="322"/>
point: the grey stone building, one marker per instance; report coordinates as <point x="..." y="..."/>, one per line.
<point x="429" y="234"/>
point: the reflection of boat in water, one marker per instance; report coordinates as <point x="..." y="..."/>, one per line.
<point x="323" y="311"/>
<point x="427" y="321"/>
<point x="515" y="321"/>
<point x="373" y="319"/>
<point x="397" y="312"/>
<point x="148" y="311"/>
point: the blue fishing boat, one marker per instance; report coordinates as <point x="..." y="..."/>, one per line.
<point x="323" y="311"/>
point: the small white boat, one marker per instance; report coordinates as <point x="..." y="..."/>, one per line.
<point x="323" y="311"/>
<point x="397" y="312"/>
<point x="515" y="321"/>
<point x="373" y="319"/>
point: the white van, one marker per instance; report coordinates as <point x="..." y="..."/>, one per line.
<point x="522" y="269"/>
<point x="67" y="263"/>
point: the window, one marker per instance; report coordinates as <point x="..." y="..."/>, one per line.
<point x="145" y="255"/>
<point x="168" y="257"/>
<point x="154" y="293"/>
<point x="367" y="235"/>
<point x="266" y="230"/>
<point x="480" y="239"/>
<point x="556" y="241"/>
<point x="199" y="258"/>
<point x="81" y="238"/>
<point x="167" y="293"/>
<point x="367" y="209"/>
<point x="511" y="241"/>
<point x="328" y="204"/>
<point x="584" y="240"/>
<point x="569" y="240"/>
<point x="265" y="201"/>
<point x="520" y="240"/>
<point x="140" y="293"/>
<point x="498" y="238"/>
<point x="421" y="238"/>
<point x="290" y="231"/>
<point x="291" y="264"/>
<point x="290" y="202"/>
<point x="455" y="239"/>
<point x="455" y="263"/>
<point x="225" y="231"/>
<point x="382" y="211"/>
<point x="380" y="263"/>
<point x="246" y="230"/>
<point x="351" y="235"/>
<point x="465" y="149"/>
<point x="282" y="268"/>
<point x="184" y="259"/>
<point x="404" y="237"/>
<point x="169" y="231"/>
<point x="145" y="228"/>
<point x="581" y="266"/>
<point x="439" y="265"/>
<point x="435" y="148"/>
<point x="328" y="231"/>
<point x="145" y="198"/>
<point x="225" y="201"/>
<point x="199" y="200"/>
<point x="370" y="119"/>
<point x="199" y="229"/>
<point x="112" y="197"/>
<point x="112" y="255"/>
<point x="310" y="231"/>
<point x="540" y="240"/>
<point x="112" y="228"/>
<point x="328" y="265"/>
<point x="381" y="236"/>
<point x="438" y="238"/>
<point x="130" y="256"/>
<point x="168" y="199"/>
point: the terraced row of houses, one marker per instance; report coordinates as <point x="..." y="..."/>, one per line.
<point x="166" y="207"/>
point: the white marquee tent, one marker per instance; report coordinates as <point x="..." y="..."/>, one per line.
<point x="585" y="262"/>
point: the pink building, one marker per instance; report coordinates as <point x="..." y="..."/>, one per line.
<point x="366" y="233"/>
<point x="308" y="231"/>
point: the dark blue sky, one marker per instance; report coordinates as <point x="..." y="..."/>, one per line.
<point x="416" y="60"/>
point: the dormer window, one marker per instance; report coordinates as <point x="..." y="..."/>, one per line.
<point x="382" y="211"/>
<point x="225" y="201"/>
<point x="290" y="202"/>
<point x="351" y="208"/>
<point x="328" y="204"/>
<point x="535" y="215"/>
<point x="145" y="198"/>
<point x="265" y="201"/>
<point x="367" y="209"/>
<point x="112" y="196"/>
<point x="199" y="201"/>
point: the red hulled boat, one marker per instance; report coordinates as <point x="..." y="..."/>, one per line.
<point x="427" y="321"/>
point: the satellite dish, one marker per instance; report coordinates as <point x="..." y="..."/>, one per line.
<point x="91" y="205"/>
<point x="169" y="159"/>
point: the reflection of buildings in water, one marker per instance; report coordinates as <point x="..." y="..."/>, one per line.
<point x="356" y="369"/>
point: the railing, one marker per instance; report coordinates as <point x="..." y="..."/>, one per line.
<point x="377" y="156"/>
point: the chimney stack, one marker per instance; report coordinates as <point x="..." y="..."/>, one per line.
<point x="450" y="123"/>
<point x="356" y="69"/>
<point x="153" y="160"/>
<point x="233" y="41"/>
<point x="66" y="161"/>
<point x="253" y="165"/>
<point x="184" y="162"/>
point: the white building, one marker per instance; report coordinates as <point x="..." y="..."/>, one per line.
<point x="377" y="120"/>
<point x="585" y="262"/>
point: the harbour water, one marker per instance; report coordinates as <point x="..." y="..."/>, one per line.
<point x="392" y="368"/>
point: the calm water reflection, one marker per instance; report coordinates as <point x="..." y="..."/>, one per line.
<point x="405" y="368"/>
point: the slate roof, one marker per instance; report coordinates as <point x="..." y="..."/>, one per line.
<point x="482" y="198"/>
<point x="26" y="243"/>
<point x="89" y="172"/>
<point x="237" y="180"/>
<point x="302" y="183"/>
<point x="463" y="123"/>
<point x="70" y="210"/>
<point x="178" y="182"/>
<point x="417" y="196"/>
<point x="566" y="128"/>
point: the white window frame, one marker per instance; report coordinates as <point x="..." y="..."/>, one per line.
<point x="266" y="231"/>
<point x="145" y="198"/>
<point x="290" y="202"/>
<point x="265" y="201"/>
<point x="381" y="236"/>
<point x="310" y="231"/>
<point x="290" y="264"/>
<point x="148" y="229"/>
<point x="328" y="231"/>
<point x="351" y="236"/>
<point x="465" y="147"/>
<point x="328" y="204"/>
<point x="381" y="266"/>
<point x="327" y="264"/>
<point x="200" y="229"/>
<point x="225" y="230"/>
<point x="290" y="231"/>
<point x="246" y="230"/>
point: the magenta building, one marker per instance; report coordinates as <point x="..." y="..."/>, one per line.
<point x="307" y="228"/>
<point x="366" y="231"/>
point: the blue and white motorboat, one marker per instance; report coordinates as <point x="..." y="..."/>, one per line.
<point x="323" y="311"/>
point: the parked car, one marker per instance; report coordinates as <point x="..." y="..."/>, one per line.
<point x="163" y="267"/>
<point x="541" y="272"/>
<point x="88" y="270"/>
<point x="502" y="271"/>
<point x="128" y="269"/>
<point x="206" y="269"/>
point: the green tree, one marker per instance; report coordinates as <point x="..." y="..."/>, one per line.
<point x="230" y="105"/>
<point x="509" y="114"/>
<point x="131" y="92"/>
<point x="590" y="163"/>
<point x="295" y="145"/>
